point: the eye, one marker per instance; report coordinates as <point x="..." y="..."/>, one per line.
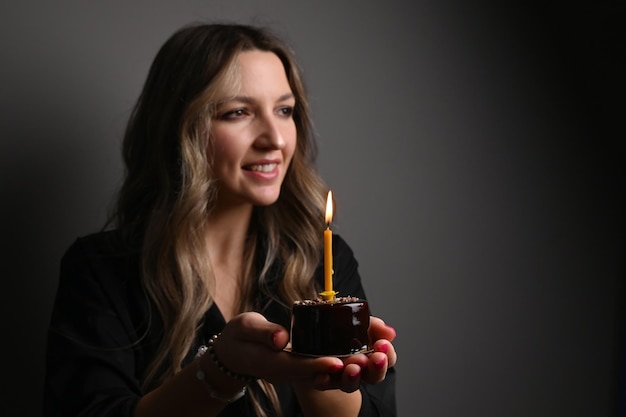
<point x="286" y="111"/>
<point x="233" y="114"/>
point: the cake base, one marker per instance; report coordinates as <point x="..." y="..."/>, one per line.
<point x="364" y="351"/>
<point x="330" y="328"/>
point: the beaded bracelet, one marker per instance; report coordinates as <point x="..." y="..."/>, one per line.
<point x="200" y="375"/>
<point x="220" y="365"/>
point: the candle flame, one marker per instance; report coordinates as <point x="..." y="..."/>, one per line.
<point x="329" y="207"/>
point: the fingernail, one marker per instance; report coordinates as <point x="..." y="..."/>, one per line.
<point x="380" y="364"/>
<point x="355" y="374"/>
<point x="275" y="337"/>
<point x="335" y="368"/>
<point x="384" y="348"/>
<point x="392" y="329"/>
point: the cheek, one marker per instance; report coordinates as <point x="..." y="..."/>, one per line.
<point x="225" y="148"/>
<point x="226" y="159"/>
<point x="290" y="147"/>
<point x="292" y="151"/>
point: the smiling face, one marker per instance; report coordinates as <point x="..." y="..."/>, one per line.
<point x="253" y="132"/>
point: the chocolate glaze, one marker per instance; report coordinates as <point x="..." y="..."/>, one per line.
<point x="336" y="327"/>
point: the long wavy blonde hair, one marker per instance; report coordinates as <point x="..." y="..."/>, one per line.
<point x="169" y="187"/>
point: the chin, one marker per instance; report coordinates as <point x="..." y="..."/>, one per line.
<point x="267" y="199"/>
<point x="266" y="202"/>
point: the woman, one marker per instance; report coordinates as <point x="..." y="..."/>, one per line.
<point x="217" y="231"/>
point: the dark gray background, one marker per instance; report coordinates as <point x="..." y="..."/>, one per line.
<point x="474" y="151"/>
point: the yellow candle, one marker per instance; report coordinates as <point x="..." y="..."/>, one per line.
<point x="328" y="293"/>
<point x="328" y="260"/>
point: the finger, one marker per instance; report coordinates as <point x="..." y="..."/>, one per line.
<point x="322" y="382"/>
<point x="351" y="378"/>
<point x="386" y="347"/>
<point x="379" y="330"/>
<point x="376" y="368"/>
<point x="361" y="360"/>
<point x="294" y="367"/>
<point x="253" y="327"/>
<point x="323" y="365"/>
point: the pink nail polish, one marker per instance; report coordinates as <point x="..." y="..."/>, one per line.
<point x="355" y="374"/>
<point x="335" y="368"/>
<point x="275" y="337"/>
<point x="384" y="348"/>
<point x="380" y="364"/>
<point x="392" y="329"/>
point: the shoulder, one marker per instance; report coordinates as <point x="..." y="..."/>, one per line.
<point x="100" y="279"/>
<point x="342" y="252"/>
<point x="99" y="256"/>
<point x="105" y="243"/>
<point x="105" y="246"/>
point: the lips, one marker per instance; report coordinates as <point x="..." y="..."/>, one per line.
<point x="266" y="167"/>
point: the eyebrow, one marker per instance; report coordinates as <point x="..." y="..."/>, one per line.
<point x="248" y="99"/>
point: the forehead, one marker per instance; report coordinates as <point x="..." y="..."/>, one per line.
<point x="254" y="72"/>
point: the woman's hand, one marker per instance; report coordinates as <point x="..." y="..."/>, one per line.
<point x="370" y="368"/>
<point x="251" y="345"/>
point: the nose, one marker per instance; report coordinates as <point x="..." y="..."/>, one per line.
<point x="270" y="134"/>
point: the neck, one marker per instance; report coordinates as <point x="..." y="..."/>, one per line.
<point x="226" y="240"/>
<point x="227" y="232"/>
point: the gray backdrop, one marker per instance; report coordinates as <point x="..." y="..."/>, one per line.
<point x="473" y="150"/>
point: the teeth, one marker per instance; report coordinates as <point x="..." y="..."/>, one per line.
<point x="262" y="168"/>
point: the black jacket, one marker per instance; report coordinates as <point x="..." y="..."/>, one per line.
<point x="104" y="332"/>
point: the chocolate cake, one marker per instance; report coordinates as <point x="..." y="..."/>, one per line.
<point x="330" y="327"/>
